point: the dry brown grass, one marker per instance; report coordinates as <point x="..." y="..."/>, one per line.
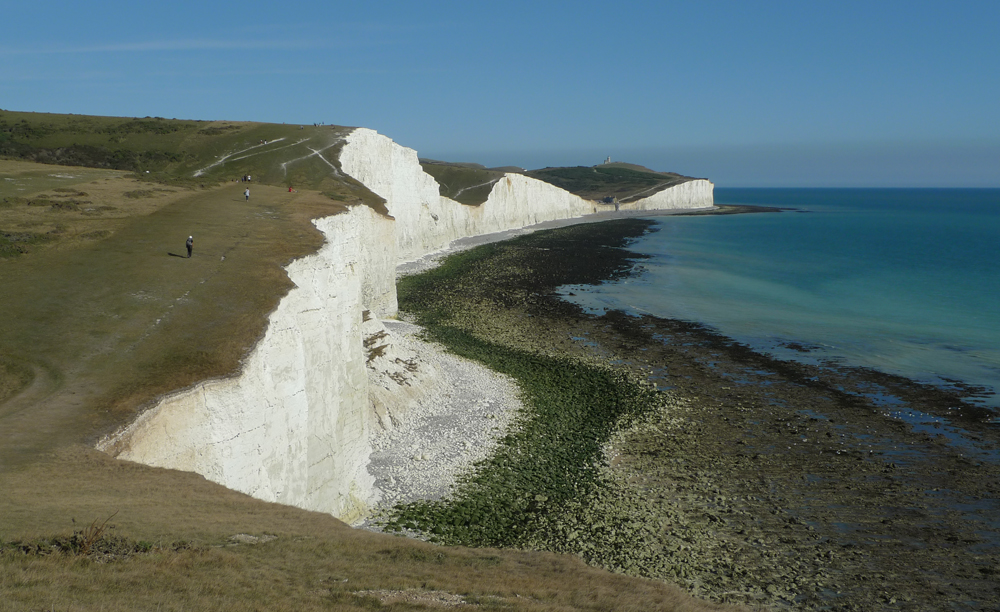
<point x="96" y="328"/>
<point x="73" y="205"/>
<point x="314" y="562"/>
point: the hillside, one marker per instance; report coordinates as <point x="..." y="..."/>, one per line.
<point x="470" y="183"/>
<point x="187" y="153"/>
<point x="301" y="156"/>
<point x="466" y="183"/>
<point x="102" y="311"/>
<point x="625" y="182"/>
<point x="93" y="300"/>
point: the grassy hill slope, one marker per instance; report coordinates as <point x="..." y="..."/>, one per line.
<point x="626" y="182"/>
<point x="183" y="152"/>
<point x="98" y="317"/>
<point x="94" y="327"/>
<point x="468" y="184"/>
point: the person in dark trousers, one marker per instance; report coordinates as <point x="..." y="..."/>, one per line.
<point x="247" y="194"/>
<point x="190" y="245"/>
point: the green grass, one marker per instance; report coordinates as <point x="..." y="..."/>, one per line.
<point x="173" y="151"/>
<point x="462" y="183"/>
<point x="95" y="307"/>
<point x="14" y="244"/>
<point x="122" y="320"/>
<point x="21" y="178"/>
<point x="622" y="181"/>
<point x="171" y="546"/>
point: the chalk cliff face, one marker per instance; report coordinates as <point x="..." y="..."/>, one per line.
<point x="690" y="195"/>
<point x="427" y="222"/>
<point x="294" y="426"/>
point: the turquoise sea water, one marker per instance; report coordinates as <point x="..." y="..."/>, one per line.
<point x="906" y="281"/>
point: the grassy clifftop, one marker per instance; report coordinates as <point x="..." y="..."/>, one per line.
<point x="626" y="182"/>
<point x="183" y="151"/>
<point x="97" y="316"/>
<point x="471" y="183"/>
<point x="303" y="156"/>
<point x="468" y="184"/>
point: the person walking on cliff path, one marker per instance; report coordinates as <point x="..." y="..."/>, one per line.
<point x="190" y="245"/>
<point x="247" y="193"/>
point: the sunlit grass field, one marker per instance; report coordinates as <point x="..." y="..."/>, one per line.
<point x="96" y="322"/>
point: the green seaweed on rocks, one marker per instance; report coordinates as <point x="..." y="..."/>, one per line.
<point x="538" y="489"/>
<point x="546" y="463"/>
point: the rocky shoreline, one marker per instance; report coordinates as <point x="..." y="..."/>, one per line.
<point x="456" y="423"/>
<point x="746" y="479"/>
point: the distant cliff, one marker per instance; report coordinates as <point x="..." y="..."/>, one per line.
<point x="294" y="426"/>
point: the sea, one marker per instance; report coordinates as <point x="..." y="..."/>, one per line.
<point x="905" y="281"/>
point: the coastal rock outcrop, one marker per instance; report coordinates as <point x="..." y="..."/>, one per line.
<point x="294" y="426"/>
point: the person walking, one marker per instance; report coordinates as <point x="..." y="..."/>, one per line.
<point x="247" y="193"/>
<point x="190" y="245"/>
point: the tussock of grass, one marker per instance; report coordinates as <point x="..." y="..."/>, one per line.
<point x="14" y="376"/>
<point x="14" y="244"/>
<point x="139" y="193"/>
<point x="95" y="542"/>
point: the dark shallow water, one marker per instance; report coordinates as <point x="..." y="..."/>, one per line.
<point x="901" y="280"/>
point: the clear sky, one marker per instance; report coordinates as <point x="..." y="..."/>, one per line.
<point x="798" y="93"/>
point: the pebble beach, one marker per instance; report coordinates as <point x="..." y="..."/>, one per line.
<point x="457" y="423"/>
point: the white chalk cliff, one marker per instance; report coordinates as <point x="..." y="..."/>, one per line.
<point x="293" y="427"/>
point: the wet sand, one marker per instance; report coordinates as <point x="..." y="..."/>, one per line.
<point x="760" y="481"/>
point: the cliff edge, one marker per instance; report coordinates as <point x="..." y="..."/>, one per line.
<point x="295" y="425"/>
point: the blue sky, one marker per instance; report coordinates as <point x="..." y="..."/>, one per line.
<point x="745" y="93"/>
